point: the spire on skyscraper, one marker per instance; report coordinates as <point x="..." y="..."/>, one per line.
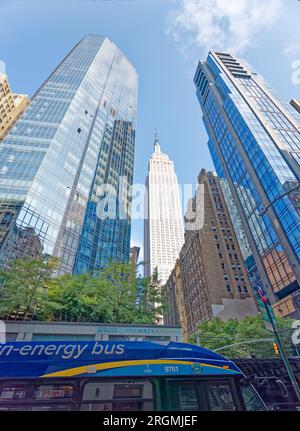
<point x="156" y="143"/>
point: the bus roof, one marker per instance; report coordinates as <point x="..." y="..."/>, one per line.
<point x="109" y="358"/>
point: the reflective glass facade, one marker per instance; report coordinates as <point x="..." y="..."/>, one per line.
<point x="254" y="141"/>
<point x="77" y="134"/>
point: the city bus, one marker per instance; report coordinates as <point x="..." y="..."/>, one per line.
<point x="120" y="376"/>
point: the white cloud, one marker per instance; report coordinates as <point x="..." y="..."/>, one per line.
<point x="229" y="25"/>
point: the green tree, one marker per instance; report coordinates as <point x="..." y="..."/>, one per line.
<point x="23" y="285"/>
<point x="75" y="298"/>
<point x="133" y="299"/>
<point x="216" y="333"/>
<point x="286" y="331"/>
<point x="119" y="281"/>
<point x="115" y="295"/>
<point x="150" y="302"/>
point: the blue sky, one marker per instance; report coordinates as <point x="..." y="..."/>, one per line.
<point x="164" y="39"/>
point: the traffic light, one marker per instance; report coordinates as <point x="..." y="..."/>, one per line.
<point x="276" y="348"/>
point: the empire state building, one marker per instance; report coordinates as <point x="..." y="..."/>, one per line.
<point x="163" y="226"/>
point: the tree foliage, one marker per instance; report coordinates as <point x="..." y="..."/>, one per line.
<point x="216" y="333"/>
<point x="22" y="285"/>
<point x="116" y="294"/>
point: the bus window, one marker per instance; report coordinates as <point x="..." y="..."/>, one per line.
<point x="34" y="396"/>
<point x="19" y="392"/>
<point x="13" y="393"/>
<point x="251" y="399"/>
<point x="183" y="396"/>
<point x="52" y="392"/>
<point x="117" y="396"/>
<point x="219" y="396"/>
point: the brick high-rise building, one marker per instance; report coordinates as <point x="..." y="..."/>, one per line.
<point x="174" y="300"/>
<point x="11" y="106"/>
<point x="213" y="279"/>
<point x="296" y="104"/>
<point x="170" y="297"/>
<point x="134" y="257"/>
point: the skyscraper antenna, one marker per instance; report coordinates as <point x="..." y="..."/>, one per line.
<point x="156" y="142"/>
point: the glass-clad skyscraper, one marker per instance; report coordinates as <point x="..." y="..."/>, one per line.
<point x="63" y="157"/>
<point x="254" y="140"/>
